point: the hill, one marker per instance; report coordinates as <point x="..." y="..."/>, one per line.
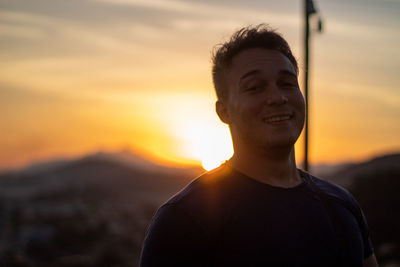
<point x="344" y="174"/>
<point x="91" y="211"/>
<point x="94" y="211"/>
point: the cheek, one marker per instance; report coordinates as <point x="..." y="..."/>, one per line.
<point x="297" y="100"/>
<point x="248" y="108"/>
<point x="253" y="106"/>
<point x="299" y="106"/>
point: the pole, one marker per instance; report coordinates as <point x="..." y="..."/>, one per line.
<point x="306" y="72"/>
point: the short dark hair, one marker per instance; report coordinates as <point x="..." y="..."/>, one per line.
<point x="259" y="36"/>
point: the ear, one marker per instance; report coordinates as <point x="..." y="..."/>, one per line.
<point x="222" y="111"/>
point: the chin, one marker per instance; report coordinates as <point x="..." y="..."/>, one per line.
<point x="283" y="141"/>
<point x="279" y="143"/>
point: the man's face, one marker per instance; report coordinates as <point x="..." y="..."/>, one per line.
<point x="264" y="105"/>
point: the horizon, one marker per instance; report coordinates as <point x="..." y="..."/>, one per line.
<point x="169" y="164"/>
<point x="81" y="76"/>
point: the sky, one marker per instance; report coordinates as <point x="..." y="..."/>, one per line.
<point x="81" y="76"/>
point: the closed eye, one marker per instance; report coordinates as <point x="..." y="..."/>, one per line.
<point x="288" y="82"/>
<point x="289" y="85"/>
<point x="254" y="87"/>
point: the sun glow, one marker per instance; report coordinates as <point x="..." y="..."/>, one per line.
<point x="210" y="144"/>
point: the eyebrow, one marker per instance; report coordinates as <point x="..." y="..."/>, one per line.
<point x="254" y="72"/>
<point x="249" y="73"/>
<point x="287" y="72"/>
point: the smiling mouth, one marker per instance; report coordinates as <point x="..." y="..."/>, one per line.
<point x="277" y="119"/>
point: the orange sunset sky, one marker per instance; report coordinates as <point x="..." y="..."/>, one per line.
<point x="80" y="76"/>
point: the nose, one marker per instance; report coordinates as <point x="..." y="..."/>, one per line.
<point x="276" y="96"/>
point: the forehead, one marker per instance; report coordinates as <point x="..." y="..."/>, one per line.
<point x="264" y="60"/>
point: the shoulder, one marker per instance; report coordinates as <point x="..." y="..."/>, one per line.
<point x="203" y="187"/>
<point x="330" y="189"/>
<point x="337" y="194"/>
<point x="340" y="195"/>
<point x="205" y="201"/>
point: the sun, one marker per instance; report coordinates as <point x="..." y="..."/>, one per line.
<point x="211" y="163"/>
<point x="210" y="144"/>
<point x="214" y="147"/>
<point x="198" y="133"/>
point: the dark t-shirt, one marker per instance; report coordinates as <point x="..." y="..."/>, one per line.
<point x="225" y="218"/>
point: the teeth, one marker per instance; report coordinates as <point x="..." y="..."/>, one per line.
<point x="277" y="118"/>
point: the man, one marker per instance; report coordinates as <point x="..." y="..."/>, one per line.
<point x="258" y="209"/>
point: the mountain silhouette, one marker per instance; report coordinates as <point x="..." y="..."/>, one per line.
<point x="94" y="211"/>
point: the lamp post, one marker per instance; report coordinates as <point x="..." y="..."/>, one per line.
<point x="309" y="10"/>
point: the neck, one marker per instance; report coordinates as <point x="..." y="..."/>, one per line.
<point x="275" y="167"/>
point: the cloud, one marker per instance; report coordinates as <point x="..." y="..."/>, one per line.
<point x="21" y="32"/>
<point x="209" y="10"/>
